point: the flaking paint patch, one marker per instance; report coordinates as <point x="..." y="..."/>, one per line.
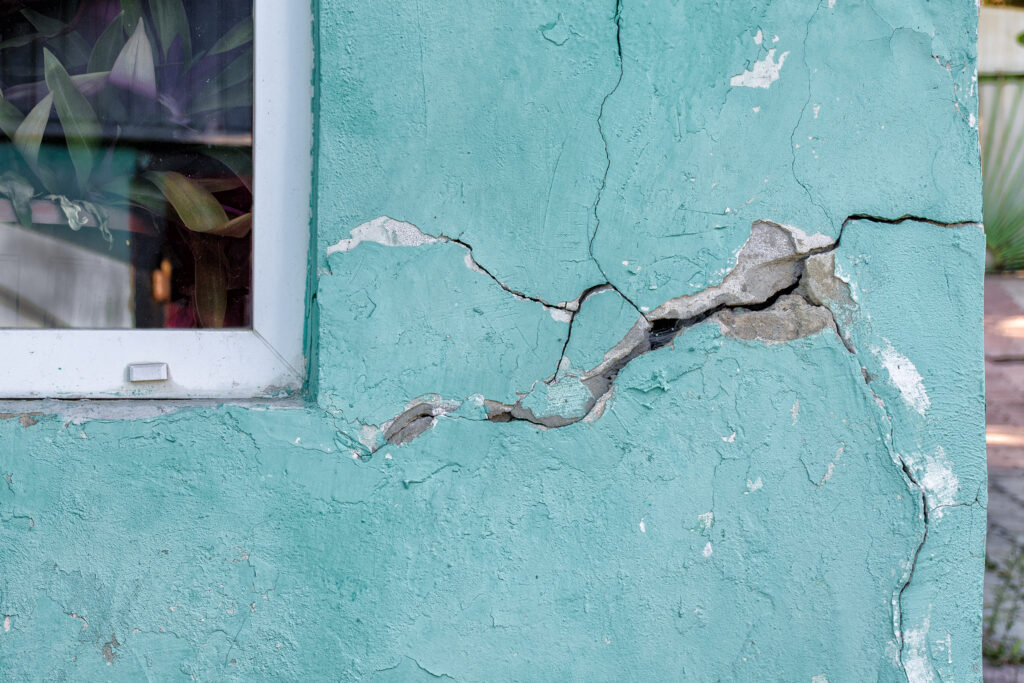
<point x="904" y="377"/>
<point x="706" y="520"/>
<point x="385" y="231"/>
<point x="939" y="481"/>
<point x="762" y="74"/>
<point x="916" y="660"/>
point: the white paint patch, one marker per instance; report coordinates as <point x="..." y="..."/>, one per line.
<point x="560" y="315"/>
<point x="971" y="121"/>
<point x="754" y="485"/>
<point x="730" y="438"/>
<point x="762" y="74"/>
<point x="816" y="109"/>
<point x="939" y="481"/>
<point x="643" y="527"/>
<point x="795" y="410"/>
<point x="471" y="264"/>
<point x="706" y="520"/>
<point x="905" y="377"/>
<point x="7" y="624"/>
<point x="758" y="37"/>
<point x="831" y="4"/>
<point x="369" y="436"/>
<point x="915" y="655"/>
<point x="386" y="231"/>
<point x="757" y="110"/>
<point x="821" y="678"/>
<point x="707" y="550"/>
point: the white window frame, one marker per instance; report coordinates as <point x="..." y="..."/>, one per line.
<point x="266" y="361"/>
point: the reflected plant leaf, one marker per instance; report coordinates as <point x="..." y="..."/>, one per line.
<point x="108" y="46"/>
<point x="197" y="208"/>
<point x="236" y="227"/>
<point x="134" y="69"/>
<point x="211" y="295"/>
<point x="10" y="118"/>
<point x="19" y="191"/>
<point x="239" y="35"/>
<point x="236" y="161"/>
<point x="81" y="129"/>
<point x="171" y="23"/>
<point x="46" y="26"/>
<point x="29" y="135"/>
<point x="132" y="10"/>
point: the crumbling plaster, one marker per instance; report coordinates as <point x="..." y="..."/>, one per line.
<point x="621" y="369"/>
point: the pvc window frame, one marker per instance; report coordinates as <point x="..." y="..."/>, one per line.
<point x="262" y="362"/>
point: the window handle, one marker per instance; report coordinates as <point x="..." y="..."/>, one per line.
<point x="147" y="372"/>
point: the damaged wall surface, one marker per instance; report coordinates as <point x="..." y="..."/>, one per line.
<point x="646" y="345"/>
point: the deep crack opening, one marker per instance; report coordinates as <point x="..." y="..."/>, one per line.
<point x="650" y="333"/>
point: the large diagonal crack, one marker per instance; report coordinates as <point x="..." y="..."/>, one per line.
<point x="780" y="273"/>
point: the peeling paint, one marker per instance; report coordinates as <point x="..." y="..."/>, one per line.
<point x="905" y="376"/>
<point x="762" y="74"/>
<point x="385" y="231"/>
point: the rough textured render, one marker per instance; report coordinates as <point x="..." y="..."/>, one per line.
<point x="647" y="346"/>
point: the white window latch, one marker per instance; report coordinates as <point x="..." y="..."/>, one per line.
<point x="147" y="372"/>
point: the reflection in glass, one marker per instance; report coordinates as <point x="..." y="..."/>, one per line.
<point x="126" y="163"/>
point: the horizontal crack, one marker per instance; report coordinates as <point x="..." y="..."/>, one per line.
<point x="779" y="271"/>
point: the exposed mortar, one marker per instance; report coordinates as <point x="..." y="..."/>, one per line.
<point x="783" y="287"/>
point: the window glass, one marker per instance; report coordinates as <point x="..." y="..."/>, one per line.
<point x="126" y="163"/>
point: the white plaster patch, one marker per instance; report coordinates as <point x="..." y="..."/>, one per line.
<point x="831" y="4"/>
<point x="915" y="657"/>
<point x="939" y="481"/>
<point x="754" y="485"/>
<point x="758" y="37"/>
<point x="971" y="121"/>
<point x="369" y="436"/>
<point x="816" y="109"/>
<point x="762" y="74"/>
<point x="472" y="265"/>
<point x="707" y="550"/>
<point x="560" y="315"/>
<point x="905" y="377"/>
<point x="730" y="438"/>
<point x="795" y="410"/>
<point x="7" y="624"/>
<point x="706" y="520"/>
<point x="386" y="231"/>
<point x="643" y="527"/>
<point x="820" y="678"/>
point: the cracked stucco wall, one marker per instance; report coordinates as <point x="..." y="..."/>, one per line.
<point x="647" y="346"/>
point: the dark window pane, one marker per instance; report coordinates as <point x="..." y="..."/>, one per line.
<point x="126" y="163"/>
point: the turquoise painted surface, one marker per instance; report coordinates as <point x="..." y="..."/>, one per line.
<point x="776" y="509"/>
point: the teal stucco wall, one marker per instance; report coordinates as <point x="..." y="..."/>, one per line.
<point x="646" y="345"/>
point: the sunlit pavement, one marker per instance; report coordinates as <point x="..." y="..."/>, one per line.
<point x="1004" y="389"/>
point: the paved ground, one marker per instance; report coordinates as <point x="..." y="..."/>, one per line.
<point x="1004" y="379"/>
